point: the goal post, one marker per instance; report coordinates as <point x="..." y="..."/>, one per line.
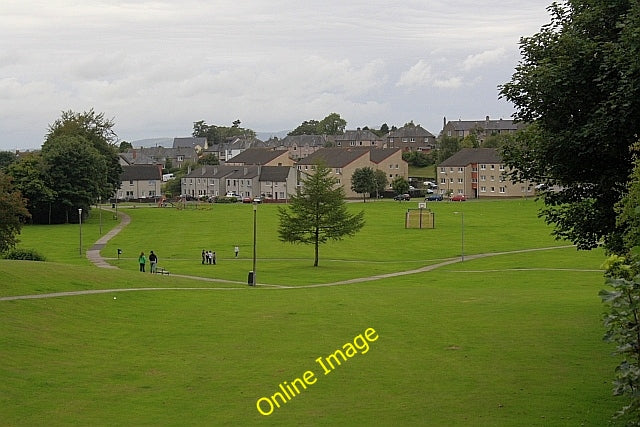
<point x="420" y="218"/>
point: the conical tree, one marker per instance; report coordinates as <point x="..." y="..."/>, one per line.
<point x="318" y="212"/>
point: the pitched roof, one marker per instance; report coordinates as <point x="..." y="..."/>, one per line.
<point x="302" y="140"/>
<point x="189" y="142"/>
<point x="487" y="125"/>
<point x="379" y="154"/>
<point x="357" y="135"/>
<point x="274" y="173"/>
<point x="257" y="156"/>
<point x="212" y="171"/>
<point x="410" y="131"/>
<point x="467" y="156"/>
<point x="141" y="173"/>
<point x="334" y="157"/>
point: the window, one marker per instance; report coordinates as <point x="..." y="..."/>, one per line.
<point x="443" y="180"/>
<point x="180" y="158"/>
<point x="448" y="133"/>
<point x="493" y="178"/>
<point x="483" y="167"/>
<point x="443" y="170"/>
<point x="397" y="166"/>
<point x="352" y="143"/>
<point x="339" y="171"/>
<point x="451" y="180"/>
<point x="503" y="190"/>
<point x="483" y="177"/>
<point x="404" y="139"/>
<point x="339" y="144"/>
<point x="460" y="180"/>
<point x="501" y="167"/>
<point x="450" y="169"/>
<point x="131" y="182"/>
<point x="493" y="167"/>
<point x="295" y="147"/>
<point x="493" y="189"/>
<point x="412" y="140"/>
<point x="460" y="170"/>
<point x="483" y="189"/>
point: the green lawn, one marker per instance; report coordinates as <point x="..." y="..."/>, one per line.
<point x="512" y="339"/>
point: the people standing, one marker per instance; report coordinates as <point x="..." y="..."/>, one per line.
<point x="153" y="260"/>
<point x="142" y="260"/>
<point x="210" y="257"/>
<point x="204" y="256"/>
<point x="236" y="250"/>
<point x="213" y="257"/>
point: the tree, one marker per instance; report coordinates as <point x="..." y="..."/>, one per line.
<point x="400" y="185"/>
<point x="208" y="159"/>
<point x="381" y="181"/>
<point x="218" y="134"/>
<point x="622" y="321"/>
<point x="98" y="131"/>
<point x="318" y="212"/>
<point x="308" y="127"/>
<point x="449" y="145"/>
<point x="6" y="158"/>
<point x="124" y="146"/>
<point x="77" y="172"/>
<point x="333" y="124"/>
<point x="13" y="213"/>
<point x="31" y="178"/>
<point x="363" y="181"/>
<point x="578" y="84"/>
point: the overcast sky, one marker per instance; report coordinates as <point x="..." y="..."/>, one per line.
<point x="155" y="67"/>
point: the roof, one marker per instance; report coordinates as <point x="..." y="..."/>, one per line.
<point x="141" y="173"/>
<point x="212" y="171"/>
<point x="467" y="156"/>
<point x="486" y="124"/>
<point x="257" y="156"/>
<point x="410" y="131"/>
<point x="189" y="142"/>
<point x="379" y="154"/>
<point x="302" y="140"/>
<point x="275" y="173"/>
<point x="357" y="135"/>
<point x="334" y="157"/>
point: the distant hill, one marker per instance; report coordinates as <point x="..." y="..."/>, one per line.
<point x="264" y="136"/>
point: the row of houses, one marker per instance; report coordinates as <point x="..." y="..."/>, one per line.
<point x="273" y="169"/>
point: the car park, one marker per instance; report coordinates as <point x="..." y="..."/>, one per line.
<point x="434" y="197"/>
<point x="458" y="198"/>
<point x="401" y="197"/>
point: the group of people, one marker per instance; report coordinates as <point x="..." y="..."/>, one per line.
<point x="153" y="261"/>
<point x="208" y="257"/>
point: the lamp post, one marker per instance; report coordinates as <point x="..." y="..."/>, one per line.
<point x="80" y="223"/>
<point x="100" y="212"/>
<point x="255" y="212"/>
<point x="462" y="217"/>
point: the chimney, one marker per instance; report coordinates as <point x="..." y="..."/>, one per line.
<point x="444" y="122"/>
<point x="487" y="118"/>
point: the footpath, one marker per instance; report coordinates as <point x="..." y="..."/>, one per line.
<point x="93" y="254"/>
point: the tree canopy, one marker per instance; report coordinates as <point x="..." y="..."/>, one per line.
<point x="13" y="213"/>
<point x="218" y="134"/>
<point x="318" y="212"/>
<point x="578" y="83"/>
<point x="333" y="124"/>
<point x="363" y="181"/>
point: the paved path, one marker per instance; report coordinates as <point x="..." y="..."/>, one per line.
<point x="93" y="254"/>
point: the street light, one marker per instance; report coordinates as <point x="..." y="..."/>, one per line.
<point x="253" y="275"/>
<point x="80" y="222"/>
<point x="462" y="217"/>
<point x="100" y="211"/>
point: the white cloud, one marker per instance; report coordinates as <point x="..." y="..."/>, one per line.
<point x="419" y="74"/>
<point x="487" y="57"/>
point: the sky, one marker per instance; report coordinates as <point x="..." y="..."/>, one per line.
<point x="155" y="67"/>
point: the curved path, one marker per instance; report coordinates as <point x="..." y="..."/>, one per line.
<point x="93" y="254"/>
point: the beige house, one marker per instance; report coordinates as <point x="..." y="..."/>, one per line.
<point x="358" y="138"/>
<point x="411" y="138"/>
<point x="140" y="182"/>
<point x="479" y="173"/>
<point x="261" y="156"/>
<point x="481" y="128"/>
<point x="300" y="146"/>
<point x="344" y="161"/>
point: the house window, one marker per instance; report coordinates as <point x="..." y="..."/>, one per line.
<point x="483" y="167"/>
<point x="483" y="189"/>
<point x="228" y="183"/>
<point x="339" y="144"/>
<point x="493" y="189"/>
<point x="391" y="140"/>
<point x="443" y="180"/>
<point x="493" y="178"/>
<point x="180" y="158"/>
<point x="504" y="190"/>
<point x="442" y="170"/>
<point x="339" y="171"/>
<point x="248" y="183"/>
<point x="131" y="182"/>
<point x="412" y="140"/>
<point x="501" y="167"/>
<point x="397" y="166"/>
<point x="352" y="143"/>
<point x="493" y="167"/>
<point x="404" y="139"/>
<point x="295" y="148"/>
<point x="460" y="169"/>
<point x="451" y="180"/>
<point x="483" y="177"/>
<point x="460" y="180"/>
<point x="448" y="133"/>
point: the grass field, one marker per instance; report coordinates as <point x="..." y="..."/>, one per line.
<point x="512" y="339"/>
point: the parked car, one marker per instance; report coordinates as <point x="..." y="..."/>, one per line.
<point x="434" y="197"/>
<point x="401" y="197"/>
<point x="257" y="199"/>
<point x="458" y="198"/>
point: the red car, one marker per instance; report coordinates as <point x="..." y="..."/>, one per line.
<point x="458" y="198"/>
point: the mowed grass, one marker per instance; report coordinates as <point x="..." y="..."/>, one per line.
<point x="513" y="339"/>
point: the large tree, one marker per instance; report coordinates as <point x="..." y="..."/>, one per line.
<point x="578" y="83"/>
<point x="318" y="212"/>
<point x="333" y="124"/>
<point x="97" y="131"/>
<point x="13" y="213"/>
<point x="363" y="181"/>
<point x="30" y="176"/>
<point x="77" y="171"/>
<point x="218" y="134"/>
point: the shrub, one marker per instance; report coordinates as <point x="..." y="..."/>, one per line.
<point x="24" y="254"/>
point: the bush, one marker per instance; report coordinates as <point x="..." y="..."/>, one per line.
<point x="23" y="254"/>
